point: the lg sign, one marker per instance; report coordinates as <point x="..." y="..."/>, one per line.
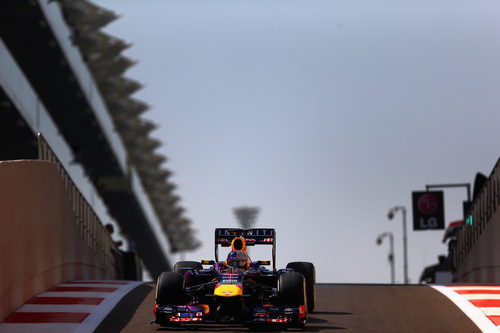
<point x="427" y="203"/>
<point x="428" y="210"/>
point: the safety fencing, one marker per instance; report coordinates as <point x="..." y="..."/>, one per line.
<point x="91" y="228"/>
<point x="476" y="222"/>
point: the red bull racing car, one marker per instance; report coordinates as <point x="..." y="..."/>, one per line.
<point x="237" y="290"/>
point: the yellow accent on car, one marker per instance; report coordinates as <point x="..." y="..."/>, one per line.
<point x="228" y="290"/>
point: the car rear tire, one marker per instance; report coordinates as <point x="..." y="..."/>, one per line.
<point x="309" y="271"/>
<point x="169" y="288"/>
<point x="187" y="264"/>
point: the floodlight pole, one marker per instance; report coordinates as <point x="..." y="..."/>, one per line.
<point x="391" y="251"/>
<point x="390" y="215"/>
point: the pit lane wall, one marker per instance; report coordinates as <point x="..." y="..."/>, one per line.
<point x="477" y="252"/>
<point x="43" y="244"/>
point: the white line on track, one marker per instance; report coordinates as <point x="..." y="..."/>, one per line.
<point x="491" y="311"/>
<point x="478" y="317"/>
<point x="96" y="312"/>
<point x="97" y="316"/>
<point x="474" y="287"/>
<point x="471" y="297"/>
<point x="91" y="285"/>
<point x="74" y="294"/>
<point x="98" y="282"/>
<point x="57" y="308"/>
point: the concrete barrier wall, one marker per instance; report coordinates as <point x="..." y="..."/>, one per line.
<point x="482" y="264"/>
<point x="40" y="239"/>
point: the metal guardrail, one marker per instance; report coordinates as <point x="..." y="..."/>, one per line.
<point x="483" y="207"/>
<point x="92" y="230"/>
<point x="79" y="189"/>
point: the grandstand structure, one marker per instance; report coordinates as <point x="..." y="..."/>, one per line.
<point x="64" y="99"/>
<point x="476" y="252"/>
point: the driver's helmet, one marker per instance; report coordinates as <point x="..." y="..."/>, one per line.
<point x="237" y="259"/>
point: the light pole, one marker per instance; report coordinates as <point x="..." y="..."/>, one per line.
<point x="246" y="216"/>
<point x="390" y="215"/>
<point x="391" y="250"/>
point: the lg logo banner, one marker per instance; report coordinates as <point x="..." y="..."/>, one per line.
<point x="428" y="210"/>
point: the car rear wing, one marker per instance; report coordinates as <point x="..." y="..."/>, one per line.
<point x="262" y="236"/>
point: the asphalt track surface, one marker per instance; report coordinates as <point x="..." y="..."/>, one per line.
<point x="339" y="308"/>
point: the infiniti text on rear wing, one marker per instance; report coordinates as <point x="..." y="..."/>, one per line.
<point x="261" y="236"/>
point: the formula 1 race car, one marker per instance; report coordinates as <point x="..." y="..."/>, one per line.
<point x="237" y="290"/>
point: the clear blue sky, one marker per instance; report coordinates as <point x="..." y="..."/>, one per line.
<point x="323" y="113"/>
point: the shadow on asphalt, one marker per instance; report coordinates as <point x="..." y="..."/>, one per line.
<point x="331" y="313"/>
<point x="308" y="328"/>
<point x="314" y="325"/>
